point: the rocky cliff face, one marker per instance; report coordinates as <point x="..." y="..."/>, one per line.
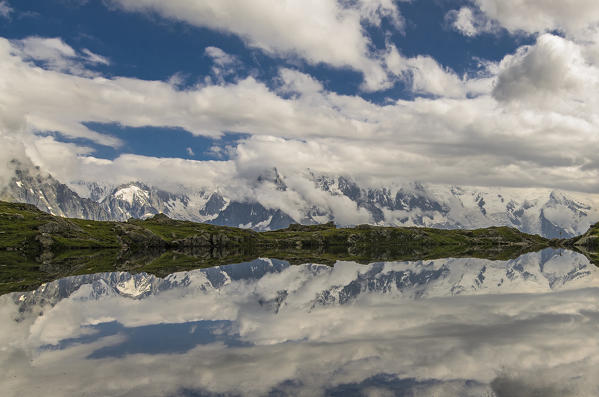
<point x="32" y="186"/>
<point x="252" y="215"/>
<point x="332" y="198"/>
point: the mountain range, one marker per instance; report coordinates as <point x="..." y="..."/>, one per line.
<point x="274" y="203"/>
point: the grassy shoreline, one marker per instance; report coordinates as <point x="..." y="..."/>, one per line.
<point x="37" y="247"/>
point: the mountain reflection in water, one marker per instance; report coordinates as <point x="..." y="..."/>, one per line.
<point x="447" y="327"/>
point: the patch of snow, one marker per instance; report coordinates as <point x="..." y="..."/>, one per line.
<point x="132" y="288"/>
<point x="130" y="193"/>
<point x="264" y="224"/>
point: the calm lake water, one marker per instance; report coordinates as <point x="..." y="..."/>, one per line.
<point x="447" y="327"/>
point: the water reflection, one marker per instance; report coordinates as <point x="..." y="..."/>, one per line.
<point x="450" y="327"/>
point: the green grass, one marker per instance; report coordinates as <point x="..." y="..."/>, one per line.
<point x="19" y="224"/>
<point x="36" y="247"/>
<point x="170" y="230"/>
<point x="94" y="234"/>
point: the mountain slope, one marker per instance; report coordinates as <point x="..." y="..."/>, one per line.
<point x="30" y="185"/>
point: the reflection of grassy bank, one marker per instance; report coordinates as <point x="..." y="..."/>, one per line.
<point x="587" y="244"/>
<point x="36" y="247"/>
<point x="18" y="273"/>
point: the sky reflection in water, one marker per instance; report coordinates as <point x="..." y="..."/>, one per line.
<point x="454" y="327"/>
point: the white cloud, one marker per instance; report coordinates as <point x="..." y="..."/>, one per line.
<point x="223" y="65"/>
<point x="5" y="9"/>
<point x="553" y="72"/>
<point x="294" y="81"/>
<point x="431" y="78"/>
<point x="190" y="151"/>
<point x="425" y="75"/>
<point x="463" y="21"/>
<point x="219" y="56"/>
<point x="470" y="22"/>
<point x="40" y="48"/>
<point x="54" y="101"/>
<point x="57" y="55"/>
<point x="374" y="10"/>
<point x="538" y="16"/>
<point x="94" y="58"/>
<point x="317" y="31"/>
<point x="463" y="130"/>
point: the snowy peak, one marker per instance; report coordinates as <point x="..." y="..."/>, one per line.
<point x="562" y="216"/>
<point x="559" y="199"/>
<point x="137" y="200"/>
<point x="132" y="193"/>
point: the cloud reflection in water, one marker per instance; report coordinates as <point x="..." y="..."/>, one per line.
<point x="454" y="327"/>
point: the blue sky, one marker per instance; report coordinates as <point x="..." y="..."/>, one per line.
<point x="144" y="46"/>
<point x="336" y="74"/>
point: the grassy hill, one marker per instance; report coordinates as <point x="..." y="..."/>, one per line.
<point x="36" y="247"/>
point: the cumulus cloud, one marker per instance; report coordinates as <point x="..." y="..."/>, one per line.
<point x="553" y="69"/>
<point x="538" y="16"/>
<point x="425" y="76"/>
<point x="467" y="132"/>
<point x="53" y="101"/>
<point x="317" y="31"/>
<point x="431" y="78"/>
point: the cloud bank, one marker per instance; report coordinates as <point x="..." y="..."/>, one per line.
<point x="528" y="120"/>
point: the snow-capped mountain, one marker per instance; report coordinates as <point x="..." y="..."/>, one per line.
<point x="136" y="200"/>
<point x="273" y="201"/>
<point x="549" y="213"/>
<point x="317" y="285"/>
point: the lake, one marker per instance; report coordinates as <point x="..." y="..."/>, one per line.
<point x="445" y="327"/>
